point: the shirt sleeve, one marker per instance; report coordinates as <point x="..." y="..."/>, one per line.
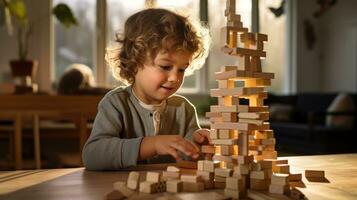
<point x="105" y="149"/>
<point x="192" y="121"/>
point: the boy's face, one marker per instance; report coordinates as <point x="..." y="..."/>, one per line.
<point x="160" y="78"/>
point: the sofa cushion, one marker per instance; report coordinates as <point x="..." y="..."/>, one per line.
<point x="342" y="103"/>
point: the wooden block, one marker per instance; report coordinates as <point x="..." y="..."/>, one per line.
<point x="241" y="169"/>
<point x="174" y="186"/>
<point x="187" y="164"/>
<point x="257" y="184"/>
<point x="270" y="154"/>
<point x="118" y="184"/>
<point x="205" y="175"/>
<point x="225" y="101"/>
<point x="255" y="64"/>
<point x="278" y="189"/>
<point x="224" y="158"/>
<point x="244" y="62"/>
<point x="168" y="175"/>
<point x="258" y="109"/>
<point x="236" y="91"/>
<point x="127" y="192"/>
<point x="223" y="172"/>
<point x="258" y="115"/>
<point x="229" y="117"/>
<point x="193" y="187"/>
<point x="219" y="185"/>
<point x="261" y="175"/>
<point x="161" y="186"/>
<point x="314" y="173"/>
<point x="232" y="108"/>
<point x="263" y="134"/>
<point x="114" y="195"/>
<point x="263" y="75"/>
<point x="148" y="187"/>
<point x="208" y="149"/>
<point x="257" y="82"/>
<point x="133" y="180"/>
<point x="210" y="165"/>
<point x="234" y="194"/>
<point x="225" y="141"/>
<point x="228" y="68"/>
<point x="251" y="121"/>
<point x="270" y="141"/>
<point x="153" y="177"/>
<point x="245" y="159"/>
<point x="200" y="165"/>
<point x="219" y="178"/>
<point x="234" y="183"/>
<point x="256" y="101"/>
<point x="234" y="126"/>
<point x="208" y="184"/>
<point x="225" y="84"/>
<point x="231" y="6"/>
<point x="295" y="177"/>
<point x="227" y="150"/>
<point x="227" y="134"/>
<point x="294" y="184"/>
<point x="190" y="178"/>
<point x="213" y="134"/>
<point x="233" y="17"/>
<point x="248" y="52"/>
<point x="213" y="114"/>
<point x="173" y="169"/>
<point x="279" y="179"/>
<point x="282" y="169"/>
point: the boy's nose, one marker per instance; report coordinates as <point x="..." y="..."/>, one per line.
<point x="173" y="77"/>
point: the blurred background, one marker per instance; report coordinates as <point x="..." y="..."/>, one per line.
<point x="311" y="48"/>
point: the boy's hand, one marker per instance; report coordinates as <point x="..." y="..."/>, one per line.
<point x="170" y="144"/>
<point x="201" y="136"/>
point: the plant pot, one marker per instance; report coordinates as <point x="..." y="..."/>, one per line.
<point x="23" y="68"/>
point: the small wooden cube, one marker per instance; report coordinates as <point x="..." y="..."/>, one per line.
<point x="279" y="179"/>
<point x="314" y="174"/>
<point x="191" y="178"/>
<point x="153" y="177"/>
<point x="193" y="187"/>
<point x="148" y="187"/>
<point x="172" y="169"/>
<point x="133" y="180"/>
<point x="174" y="186"/>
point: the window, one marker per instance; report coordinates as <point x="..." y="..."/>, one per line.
<point x="275" y="28"/>
<point x="77" y="44"/>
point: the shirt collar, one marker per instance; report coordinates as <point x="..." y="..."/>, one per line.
<point x="152" y="107"/>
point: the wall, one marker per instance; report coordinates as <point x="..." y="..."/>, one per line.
<point x="331" y="65"/>
<point x="339" y="50"/>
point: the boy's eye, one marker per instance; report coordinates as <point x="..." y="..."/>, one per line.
<point x="182" y="70"/>
<point x="164" y="67"/>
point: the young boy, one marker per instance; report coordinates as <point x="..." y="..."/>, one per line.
<point x="145" y="122"/>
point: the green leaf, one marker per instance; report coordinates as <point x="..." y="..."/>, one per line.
<point x="18" y="9"/>
<point x="64" y="15"/>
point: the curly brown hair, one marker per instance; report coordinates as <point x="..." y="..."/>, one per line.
<point x="146" y="33"/>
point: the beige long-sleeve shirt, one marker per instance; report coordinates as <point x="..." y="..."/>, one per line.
<point x="121" y="123"/>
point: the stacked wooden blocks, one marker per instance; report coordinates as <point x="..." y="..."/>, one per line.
<point x="153" y="183"/>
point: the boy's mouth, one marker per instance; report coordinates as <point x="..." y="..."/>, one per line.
<point x="167" y="88"/>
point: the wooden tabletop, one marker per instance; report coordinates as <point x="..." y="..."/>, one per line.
<point x="77" y="183"/>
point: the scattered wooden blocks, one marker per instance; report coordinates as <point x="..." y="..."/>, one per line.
<point x="314" y="174"/>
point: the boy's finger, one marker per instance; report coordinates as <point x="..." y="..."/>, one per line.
<point x="173" y="153"/>
<point x="186" y="147"/>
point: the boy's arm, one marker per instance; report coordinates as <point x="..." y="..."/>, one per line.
<point x="104" y="149"/>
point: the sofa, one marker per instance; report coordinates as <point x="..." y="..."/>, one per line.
<point x="300" y="123"/>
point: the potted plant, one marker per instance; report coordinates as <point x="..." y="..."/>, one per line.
<point x="15" y="10"/>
